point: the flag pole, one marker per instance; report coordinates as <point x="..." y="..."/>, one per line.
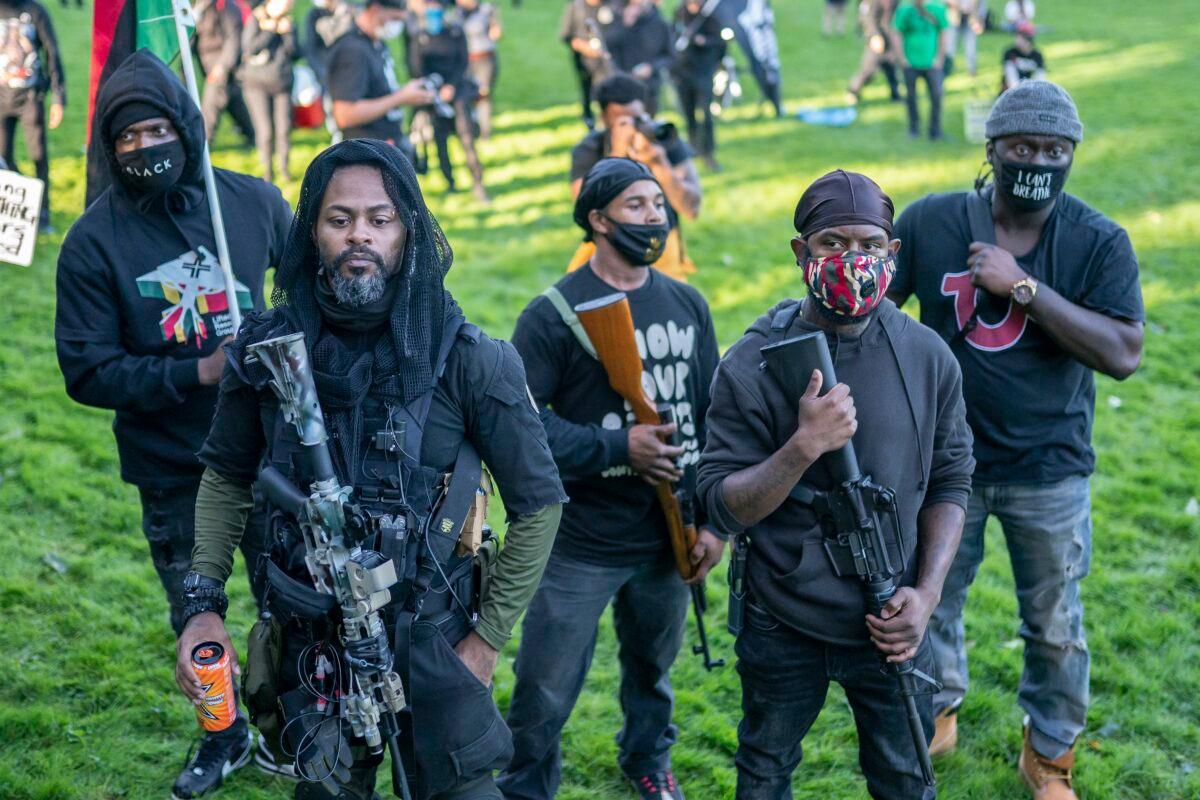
<point x="183" y="16"/>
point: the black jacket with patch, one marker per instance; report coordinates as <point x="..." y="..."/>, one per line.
<point x="141" y="295"/>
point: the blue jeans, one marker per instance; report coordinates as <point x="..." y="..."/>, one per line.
<point x="650" y="604"/>
<point x="1048" y="528"/>
<point x="785" y="677"/>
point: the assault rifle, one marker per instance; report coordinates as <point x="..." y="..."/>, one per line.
<point x="334" y="533"/>
<point x="609" y="326"/>
<point x="863" y="537"/>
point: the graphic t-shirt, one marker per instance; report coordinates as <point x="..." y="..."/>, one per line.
<point x="920" y="32"/>
<point x="1030" y="403"/>
<point x="362" y="69"/>
<point x="613" y="516"/>
<point x="1026" y="65"/>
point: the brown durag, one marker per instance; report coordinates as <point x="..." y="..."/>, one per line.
<point x="843" y="198"/>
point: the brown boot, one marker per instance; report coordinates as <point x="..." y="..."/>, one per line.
<point x="945" y="732"/>
<point x="1049" y="779"/>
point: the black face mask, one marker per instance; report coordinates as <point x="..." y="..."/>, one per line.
<point x="152" y="170"/>
<point x="640" y="245"/>
<point x="1030" y="187"/>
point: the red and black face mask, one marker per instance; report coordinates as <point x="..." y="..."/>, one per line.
<point x="852" y="284"/>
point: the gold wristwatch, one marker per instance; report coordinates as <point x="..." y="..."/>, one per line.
<point x="1023" y="290"/>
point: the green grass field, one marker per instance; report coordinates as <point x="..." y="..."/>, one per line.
<point x="88" y="705"/>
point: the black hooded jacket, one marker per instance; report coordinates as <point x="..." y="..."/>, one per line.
<point x="141" y="295"/>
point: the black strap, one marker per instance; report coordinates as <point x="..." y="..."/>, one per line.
<point x="981" y="229"/>
<point x="458" y="502"/>
<point x="418" y="410"/>
<point x="782" y="322"/>
<point x="804" y="494"/>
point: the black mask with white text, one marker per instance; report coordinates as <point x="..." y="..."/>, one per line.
<point x="152" y="170"/>
<point x="640" y="245"/>
<point x="1030" y="187"/>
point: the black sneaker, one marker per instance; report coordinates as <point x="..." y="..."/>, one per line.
<point x="658" y="786"/>
<point x="265" y="760"/>
<point x="216" y="757"/>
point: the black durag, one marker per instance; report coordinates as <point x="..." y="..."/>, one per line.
<point x="842" y="198"/>
<point x="607" y="178"/>
<point x="400" y="367"/>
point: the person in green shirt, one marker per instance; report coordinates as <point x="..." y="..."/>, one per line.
<point x="919" y="35"/>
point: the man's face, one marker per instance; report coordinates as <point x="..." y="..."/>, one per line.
<point x="359" y="235"/>
<point x="613" y="113"/>
<point x="377" y="17"/>
<point x="1025" y="148"/>
<point x="642" y="203"/>
<point x="869" y="239"/>
<point x="148" y="133"/>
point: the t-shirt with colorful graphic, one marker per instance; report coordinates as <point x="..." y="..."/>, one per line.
<point x="919" y="29"/>
<point x="1030" y="403"/>
<point x="613" y="516"/>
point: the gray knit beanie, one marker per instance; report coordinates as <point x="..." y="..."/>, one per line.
<point x="1040" y="108"/>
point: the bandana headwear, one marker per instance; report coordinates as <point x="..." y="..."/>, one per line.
<point x="849" y="285"/>
<point x="843" y="198"/>
<point x="603" y="182"/>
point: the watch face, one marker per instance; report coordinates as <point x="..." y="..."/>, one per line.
<point x="1022" y="293"/>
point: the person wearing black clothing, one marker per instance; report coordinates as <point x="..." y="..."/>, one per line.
<point x="693" y="72"/>
<point x="582" y="31"/>
<point x="899" y="399"/>
<point x="1023" y="61"/>
<point x="268" y="50"/>
<point x="29" y="66"/>
<point x="142" y="317"/>
<point x="219" y="26"/>
<point x="316" y="43"/>
<point x="414" y="398"/>
<point x="628" y="132"/>
<point x="612" y="543"/>
<point x="641" y="45"/>
<point x="1035" y="291"/>
<point x="367" y="99"/>
<point x="437" y="45"/>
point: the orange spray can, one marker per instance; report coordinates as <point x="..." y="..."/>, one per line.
<point x="219" y="709"/>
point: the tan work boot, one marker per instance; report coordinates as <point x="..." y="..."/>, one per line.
<point x="945" y="732"/>
<point x="1049" y="779"/>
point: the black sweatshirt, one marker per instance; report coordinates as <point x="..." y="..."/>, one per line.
<point x="267" y="57"/>
<point x="27" y="30"/>
<point x="646" y="41"/>
<point x="613" y="516"/>
<point x="697" y="62"/>
<point x="141" y="295"/>
<point x="912" y="436"/>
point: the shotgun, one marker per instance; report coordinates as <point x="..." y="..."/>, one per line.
<point x="609" y="324"/>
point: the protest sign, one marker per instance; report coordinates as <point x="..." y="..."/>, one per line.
<point x="20" y="203"/>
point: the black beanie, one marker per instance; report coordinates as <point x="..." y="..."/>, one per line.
<point x="603" y="182"/>
<point x="842" y="198"/>
<point x="131" y="113"/>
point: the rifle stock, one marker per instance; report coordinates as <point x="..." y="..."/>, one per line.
<point x="609" y="324"/>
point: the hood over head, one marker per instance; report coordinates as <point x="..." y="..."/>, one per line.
<point x="144" y="80"/>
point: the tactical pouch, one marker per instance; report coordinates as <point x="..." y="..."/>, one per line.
<point x="260" y="680"/>
<point x="289" y="598"/>
<point x="737" y="583"/>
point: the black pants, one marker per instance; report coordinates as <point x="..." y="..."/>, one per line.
<point x="226" y="96"/>
<point x="271" y="112"/>
<point x="785" y="677"/>
<point x="460" y="124"/>
<point x="169" y="523"/>
<point x="933" y="82"/>
<point x="29" y="109"/>
<point x="695" y="94"/>
<point x="586" y="81"/>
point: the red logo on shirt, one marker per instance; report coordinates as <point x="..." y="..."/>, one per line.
<point x="982" y="335"/>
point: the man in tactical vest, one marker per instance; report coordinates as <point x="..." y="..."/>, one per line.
<point x="765" y="478"/>
<point x="413" y="398"/>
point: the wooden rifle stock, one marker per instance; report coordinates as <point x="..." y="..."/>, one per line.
<point x="609" y="325"/>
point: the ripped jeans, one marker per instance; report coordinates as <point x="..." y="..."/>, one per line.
<point x="1048" y="529"/>
<point x="169" y="523"/>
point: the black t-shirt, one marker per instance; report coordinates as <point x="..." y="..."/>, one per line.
<point x="613" y="516"/>
<point x="1030" y="403"/>
<point x="362" y="69"/>
<point x="1026" y="64"/>
<point x="481" y="397"/>
<point x="595" y="146"/>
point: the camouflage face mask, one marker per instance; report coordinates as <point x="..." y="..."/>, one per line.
<point x="852" y="284"/>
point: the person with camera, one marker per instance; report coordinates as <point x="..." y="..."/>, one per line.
<point x="629" y="132"/>
<point x="582" y="30"/>
<point x="612" y="544"/>
<point x="367" y="99"/>
<point x="641" y="45"/>
<point x="899" y="400"/>
<point x="692" y="73"/>
<point x="437" y="53"/>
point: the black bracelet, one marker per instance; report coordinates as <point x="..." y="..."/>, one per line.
<point x="202" y="594"/>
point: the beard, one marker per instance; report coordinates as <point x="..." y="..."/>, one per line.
<point x="356" y="291"/>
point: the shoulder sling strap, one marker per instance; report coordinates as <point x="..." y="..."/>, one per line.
<point x="570" y="319"/>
